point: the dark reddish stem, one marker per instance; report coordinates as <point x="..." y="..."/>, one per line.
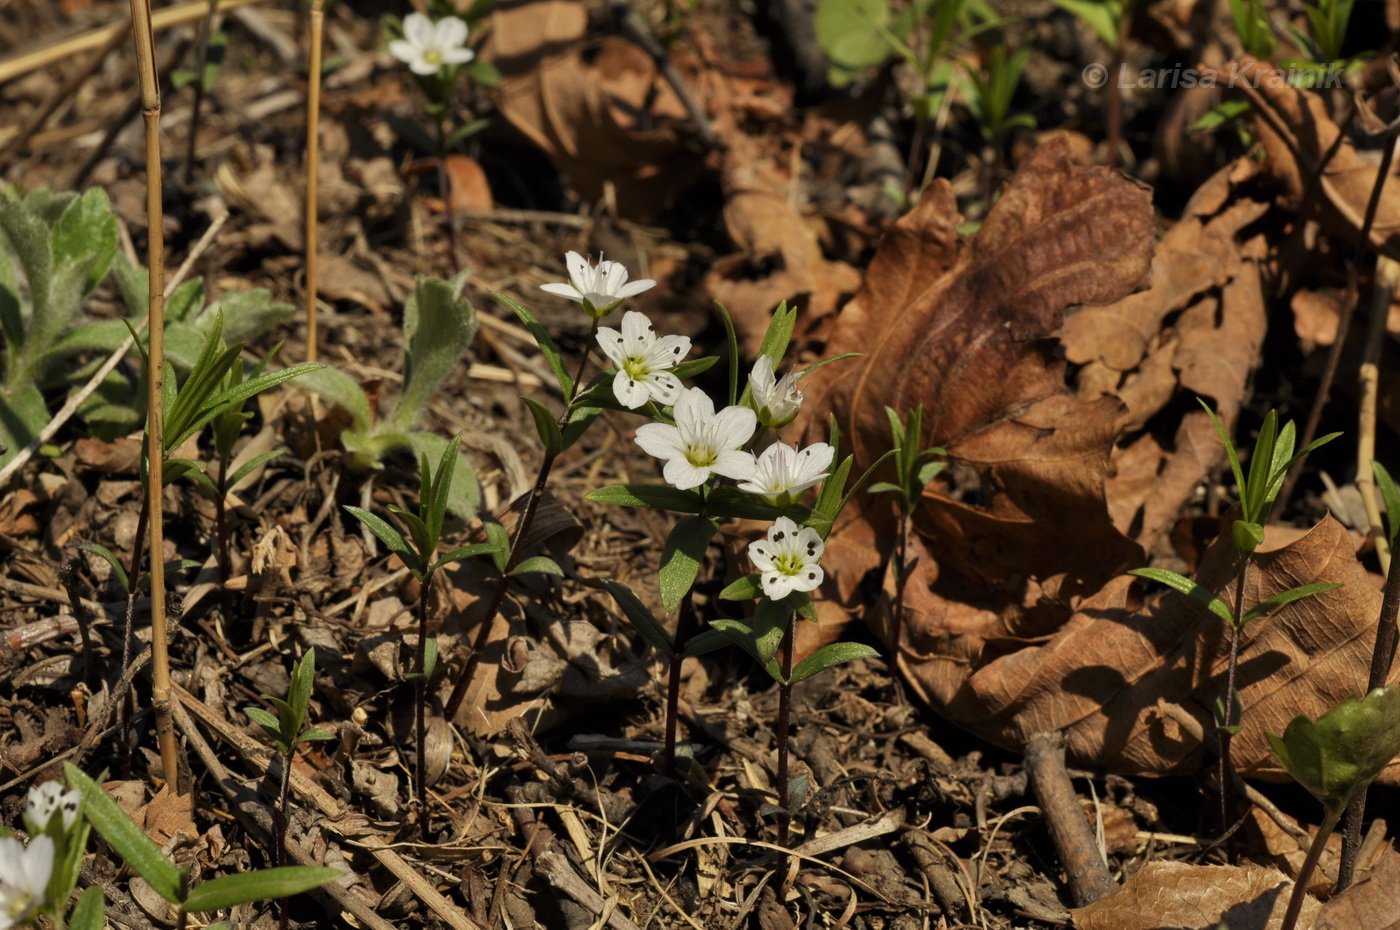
<point x="897" y="625"/>
<point x="1227" y="768"/>
<point x="685" y="628"/>
<point x="420" y="766"/>
<point x="784" y="723"/>
<point x="1300" y="886"/>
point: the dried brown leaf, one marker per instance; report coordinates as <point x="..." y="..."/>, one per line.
<point x="1180" y="896"/>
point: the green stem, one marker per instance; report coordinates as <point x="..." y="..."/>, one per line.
<point x="522" y="529"/>
<point x="685" y="629"/>
<point x="1227" y="768"/>
<point x="1300" y="887"/>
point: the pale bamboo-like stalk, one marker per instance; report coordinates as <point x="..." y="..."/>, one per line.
<point x="313" y="161"/>
<point x="1386" y="278"/>
<point x="155" y="257"/>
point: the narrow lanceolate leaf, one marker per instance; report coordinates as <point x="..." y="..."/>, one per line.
<point x="546" y="344"/>
<point x="656" y="496"/>
<point x="112" y="560"/>
<point x="1269" y="605"/>
<point x="299" y="694"/>
<point x="89" y="912"/>
<point x="546" y="427"/>
<point x="1229" y="446"/>
<point x="1252" y="494"/>
<point x="1391" y="496"/>
<point x="829" y="655"/>
<point x="1191" y="589"/>
<point x="126" y="839"/>
<point x="706" y="641"/>
<point x="423" y="539"/>
<point x="499" y="539"/>
<point x="539" y="563"/>
<point x="681" y="557"/>
<point x="465" y="552"/>
<point x="641" y="618"/>
<point x="262" y="885"/>
<point x="389" y="536"/>
<point x="746" y="588"/>
<point x="248" y="467"/>
<point x="267" y="721"/>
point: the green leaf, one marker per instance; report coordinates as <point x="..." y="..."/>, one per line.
<point x="1246" y="536"/>
<point x="1229" y="446"/>
<point x="638" y="615"/>
<point x="681" y="557"/>
<point x="89" y="913"/>
<point x="499" y="539"/>
<point x="545" y="426"/>
<point x="1271" y="604"/>
<point x="884" y="487"/>
<point x="430" y="656"/>
<point x="1345" y="749"/>
<point x="464" y="493"/>
<point x="268" y="722"/>
<point x="705" y="641"/>
<point x="112" y="560"/>
<point x="390" y="537"/>
<point x="299" y="693"/>
<point x="438" y="326"/>
<point x="1199" y="593"/>
<point x="1102" y="16"/>
<point x="261" y="885"/>
<point x="252" y="465"/>
<point x="733" y="342"/>
<point x="746" y="588"/>
<point x="418" y="531"/>
<point x="690" y="369"/>
<point x="539" y="563"/>
<point x="829" y="655"/>
<point x="343" y="391"/>
<point x="546" y="344"/>
<point x="1391" y="496"/>
<point x="727" y="502"/>
<point x="315" y="733"/>
<point x="658" y="497"/>
<point x="854" y="36"/>
<point x="465" y="552"/>
<point x="126" y="839"/>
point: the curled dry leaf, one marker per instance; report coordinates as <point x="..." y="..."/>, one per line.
<point x="1015" y="622"/>
<point x="597" y="120"/>
<point x="1195" y="897"/>
<point x="1373" y="903"/>
<point x="1296" y="132"/>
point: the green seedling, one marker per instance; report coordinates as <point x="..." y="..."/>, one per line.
<point x="288" y="730"/>
<point x="1109" y="20"/>
<point x="62" y="244"/>
<point x="1252" y="27"/>
<point x="419" y="553"/>
<point x="438" y="324"/>
<point x="1328" y="21"/>
<point x="1382" y="657"/>
<point x="989" y="96"/>
<point x="173" y="883"/>
<point x="1335" y="757"/>
<point x="1273" y="456"/>
<point x="205" y="395"/>
<point x="914" y="469"/>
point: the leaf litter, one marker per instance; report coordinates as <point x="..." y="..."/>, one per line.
<point x="1051" y="350"/>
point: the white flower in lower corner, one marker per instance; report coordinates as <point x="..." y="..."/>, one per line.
<point x="427" y="47"/>
<point x="643" y="361"/>
<point x="776" y="400"/>
<point x="782" y="471"/>
<point x="599" y="289"/>
<point x="24" y="878"/>
<point x="702" y="442"/>
<point x="788" y="559"/>
<point x="48" y="799"/>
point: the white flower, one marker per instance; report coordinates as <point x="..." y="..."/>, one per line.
<point x="427" y="46"/>
<point x="702" y="442"/>
<point x="24" y="878"/>
<point x="599" y="289"/>
<point x="782" y="471"/>
<point x="642" y="361"/>
<point x="776" y="401"/>
<point x="787" y="559"/>
<point x="47" y="799"/>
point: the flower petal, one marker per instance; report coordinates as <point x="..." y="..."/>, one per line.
<point x="661" y="440"/>
<point x="418" y="29"/>
<point x="777" y="585"/>
<point x="809" y="579"/>
<point x="638" y="332"/>
<point x="732" y="463"/>
<point x="611" y="342"/>
<point x="668" y="351"/>
<point x="636" y="287"/>
<point x="663" y="386"/>
<point x="457" y="56"/>
<point x="683" y="475"/>
<point x="758" y="555"/>
<point x="450" y="33"/>
<point x="563" y="290"/>
<point x="693" y="410"/>
<point x="611" y="277"/>
<point x="424" y="67"/>
<point x="733" y="426"/>
<point x="404" y="51"/>
<point x="630" y="392"/>
<point x="761" y="381"/>
<point x="580" y="272"/>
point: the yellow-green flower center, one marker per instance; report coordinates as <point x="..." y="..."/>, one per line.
<point x="432" y="56"/>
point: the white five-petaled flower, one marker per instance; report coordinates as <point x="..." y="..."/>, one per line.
<point x="599" y="289"/>
<point x="702" y="442"/>
<point x="24" y="878"/>
<point x="787" y="559"/>
<point x="48" y="799"/>
<point x="775" y="400"/>
<point x="643" y="361"/>
<point x="782" y="471"/>
<point x="427" y="46"/>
